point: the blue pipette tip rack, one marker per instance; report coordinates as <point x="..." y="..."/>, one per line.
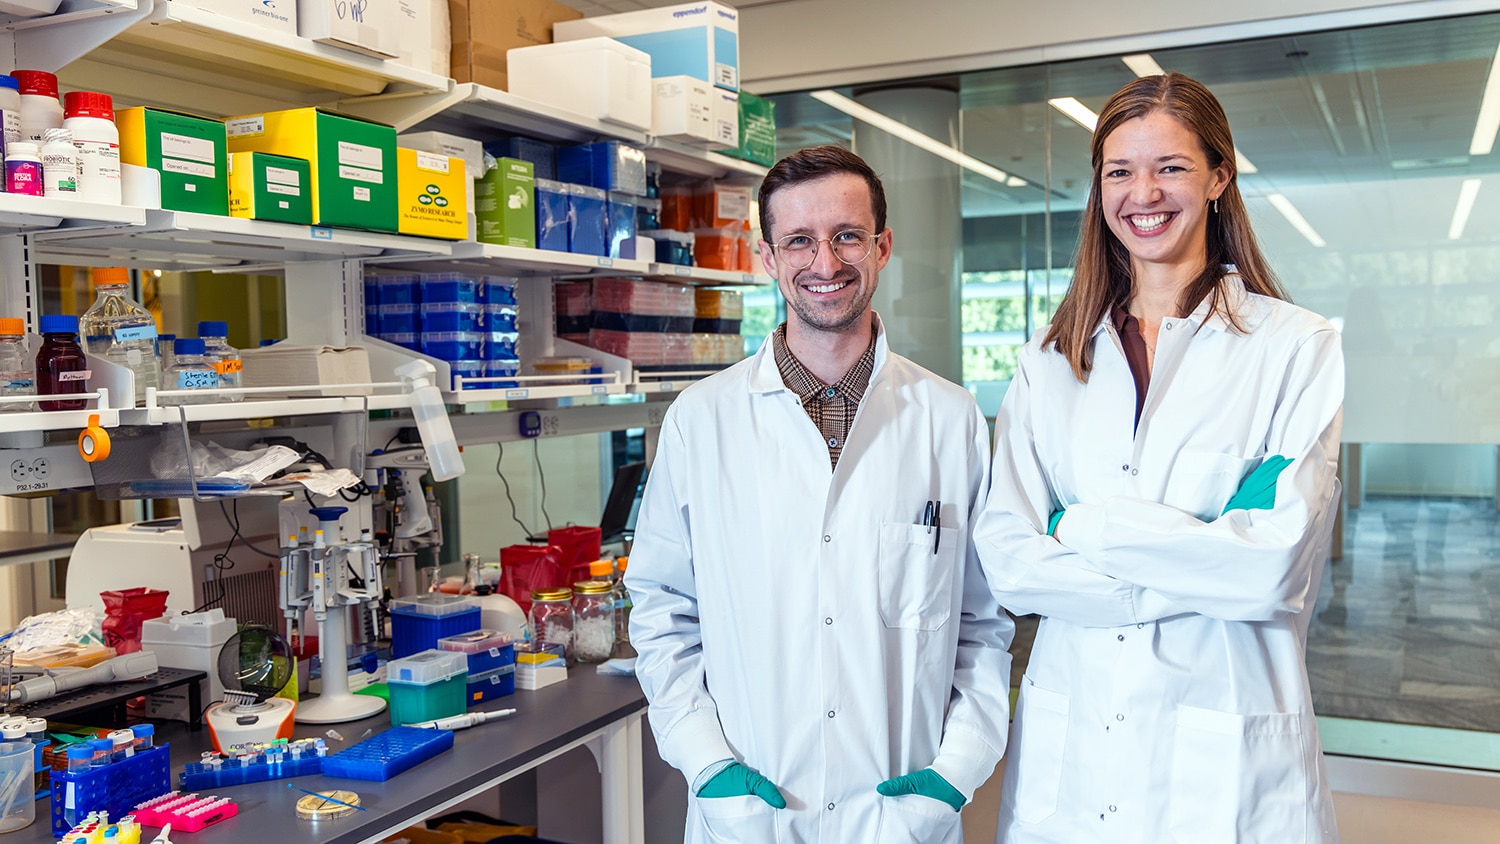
<point x="197" y="776"/>
<point x="387" y="754"/>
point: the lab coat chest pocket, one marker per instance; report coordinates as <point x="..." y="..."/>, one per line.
<point x="916" y="585"/>
<point x="738" y="820"/>
<point x="1202" y="482"/>
<point x="1039" y="739"/>
<point x="1238" y="777"/>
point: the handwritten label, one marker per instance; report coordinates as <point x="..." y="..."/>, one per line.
<point x="351" y="11"/>
<point x="227" y="367"/>
<point x="197" y="379"/>
<point x="77" y="375"/>
<point x="134" y="332"/>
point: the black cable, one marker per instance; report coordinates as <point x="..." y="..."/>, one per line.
<point x="394" y="437"/>
<point x="536" y="452"/>
<point x="235" y="523"/>
<point x="513" y="513"/>
<point x="222" y="562"/>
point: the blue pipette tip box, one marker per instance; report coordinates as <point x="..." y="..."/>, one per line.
<point x="384" y="755"/>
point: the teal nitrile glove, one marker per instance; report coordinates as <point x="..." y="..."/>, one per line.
<point x="1258" y="490"/>
<point x="739" y="781"/>
<point x="926" y="782"/>
<point x="1052" y="522"/>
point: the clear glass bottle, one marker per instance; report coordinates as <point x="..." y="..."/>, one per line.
<point x="61" y="366"/>
<point x="222" y="356"/>
<point x="551" y="618"/>
<point x="17" y="375"/>
<point x="118" y="329"/>
<point x="623" y="603"/>
<point x="191" y="371"/>
<point x="593" y="620"/>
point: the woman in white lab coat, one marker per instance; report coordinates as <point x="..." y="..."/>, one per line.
<point x="1162" y="495"/>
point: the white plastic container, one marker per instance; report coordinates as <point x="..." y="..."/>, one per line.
<point x="10" y="109"/>
<point x="186" y="641"/>
<point x="682" y="109"/>
<point x="40" y="108"/>
<point x="598" y="78"/>
<point x="59" y="165"/>
<point x="91" y="118"/>
<point x="431" y="416"/>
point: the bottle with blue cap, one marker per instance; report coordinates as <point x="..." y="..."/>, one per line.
<point x="61" y="366"/>
<point x="191" y="371"/>
<point x="223" y="357"/>
<point x="119" y="330"/>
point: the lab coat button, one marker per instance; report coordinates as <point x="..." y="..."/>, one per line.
<point x="1124" y="468"/>
<point x="830" y="621"/>
<point x="1121" y="637"/>
<point x="1135" y="471"/>
<point x="1112" y="808"/>
<point x="1120" y="717"/>
<point x="830" y="713"/>
<point x="830" y="807"/>
<point x="827" y="538"/>
<point x="1169" y="328"/>
<point x="1141" y="626"/>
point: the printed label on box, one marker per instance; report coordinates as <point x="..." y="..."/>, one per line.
<point x="283" y="176"/>
<point x="726" y="76"/>
<point x="360" y="155"/>
<point x="362" y="194"/>
<point x="726" y="131"/>
<point x="181" y="146"/>
<point x="245" y="127"/>
<point x="432" y="162"/>
<point x="189" y="168"/>
<point x="733" y="205"/>
<point x="285" y="190"/>
<point x="359" y="174"/>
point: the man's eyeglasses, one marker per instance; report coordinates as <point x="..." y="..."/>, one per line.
<point x="798" y="251"/>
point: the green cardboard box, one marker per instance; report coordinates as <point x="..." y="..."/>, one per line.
<point x="504" y="204"/>
<point x="757" y="131"/>
<point x="188" y="152"/>
<point x="263" y="186"/>
<point x="352" y="162"/>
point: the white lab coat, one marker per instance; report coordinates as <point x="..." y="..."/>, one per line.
<point x="1166" y="699"/>
<point x="796" y="618"/>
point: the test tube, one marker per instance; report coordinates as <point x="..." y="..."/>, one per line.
<point x="145" y="736"/>
<point x="80" y="757"/>
<point x="103" y="748"/>
<point x="14" y="731"/>
<point x="36" y="730"/>
<point x="124" y="745"/>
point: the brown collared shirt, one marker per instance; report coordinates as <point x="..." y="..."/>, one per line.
<point x="831" y="407"/>
<point x="1135" y="354"/>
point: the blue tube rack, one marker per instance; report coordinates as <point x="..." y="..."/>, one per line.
<point x="115" y="788"/>
<point x="384" y="755"/>
<point x="197" y="776"/>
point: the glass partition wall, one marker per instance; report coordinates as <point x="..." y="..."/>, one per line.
<point x="1367" y="162"/>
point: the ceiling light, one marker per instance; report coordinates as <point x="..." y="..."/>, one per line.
<point x="1293" y="216"/>
<point x="1466" y="196"/>
<point x="915" y="138"/>
<point x="1489" y="112"/>
<point x="1141" y="64"/>
<point x="1242" y="164"/>
<point x="1078" y="112"/>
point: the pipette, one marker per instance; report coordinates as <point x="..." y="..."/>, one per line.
<point x="460" y="722"/>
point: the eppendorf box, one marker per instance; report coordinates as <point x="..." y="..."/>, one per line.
<point x="697" y="39"/>
<point x="188" y="152"/>
<point x="352" y="162"/>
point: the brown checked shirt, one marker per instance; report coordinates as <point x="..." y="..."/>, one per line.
<point x="831" y="407"/>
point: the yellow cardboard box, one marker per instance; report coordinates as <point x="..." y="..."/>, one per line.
<point x="432" y="193"/>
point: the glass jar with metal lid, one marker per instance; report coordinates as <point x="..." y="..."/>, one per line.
<point x="593" y="620"/>
<point x="551" y="617"/>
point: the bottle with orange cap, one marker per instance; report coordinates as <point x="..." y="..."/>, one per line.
<point x="119" y="330"/>
<point x="17" y="377"/>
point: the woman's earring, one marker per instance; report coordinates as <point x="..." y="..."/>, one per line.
<point x="1216" y="205"/>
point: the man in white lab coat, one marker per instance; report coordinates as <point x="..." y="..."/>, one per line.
<point x="824" y="660"/>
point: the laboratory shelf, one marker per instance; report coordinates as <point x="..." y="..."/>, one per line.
<point x="55" y="420"/>
<point x="495" y="259"/>
<point x="260" y="408"/>
<point x="706" y="277"/>
<point x="220" y="66"/>
<point x="180" y="240"/>
<point x="652" y="383"/>
<point x="691" y="160"/>
<point x="529" y="388"/>
<point x="20" y="213"/>
<point x="473" y="110"/>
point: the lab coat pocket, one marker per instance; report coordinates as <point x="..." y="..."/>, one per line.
<point x="916" y="585"/>
<point x="1201" y="482"/>
<point x="1039" y="738"/>
<point x="738" y="820"/>
<point x="1238" y="777"/>
<point x="914" y="819"/>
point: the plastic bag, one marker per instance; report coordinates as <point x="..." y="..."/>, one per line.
<point x="63" y="627"/>
<point x="125" y="610"/>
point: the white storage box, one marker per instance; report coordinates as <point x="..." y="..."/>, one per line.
<point x="598" y="78"/>
<point x="284" y="364"/>
<point x="372" y="27"/>
<point x="726" y="118"/>
<point x="426" y="38"/>
<point x="682" y="109"/>
<point x="696" y="39"/>
<point x="190" y="641"/>
<point x="280" y="15"/>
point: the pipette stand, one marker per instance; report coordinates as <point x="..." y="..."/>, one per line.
<point x="319" y="578"/>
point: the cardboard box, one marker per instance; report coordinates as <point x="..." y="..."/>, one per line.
<point x="371" y="27"/>
<point x="352" y="162"/>
<point x="597" y="78"/>
<point x="504" y="204"/>
<point x="682" y="109"/>
<point x="286" y="365"/>
<point x="280" y="15"/>
<point x="483" y="32"/>
<point x="757" y="131"/>
<point x="186" y="150"/>
<point x="434" y="194"/>
<point x="726" y="119"/>
<point x="424" y="41"/>
<point x="551" y="215"/>
<point x="263" y="186"/>
<point x="700" y="40"/>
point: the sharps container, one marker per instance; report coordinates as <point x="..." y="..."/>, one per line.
<point x="17" y="799"/>
<point x="427" y="686"/>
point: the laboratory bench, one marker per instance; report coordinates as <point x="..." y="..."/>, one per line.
<point x="602" y="713"/>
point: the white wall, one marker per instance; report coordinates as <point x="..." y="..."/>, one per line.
<point x="574" y="470"/>
<point x="790" y="45"/>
